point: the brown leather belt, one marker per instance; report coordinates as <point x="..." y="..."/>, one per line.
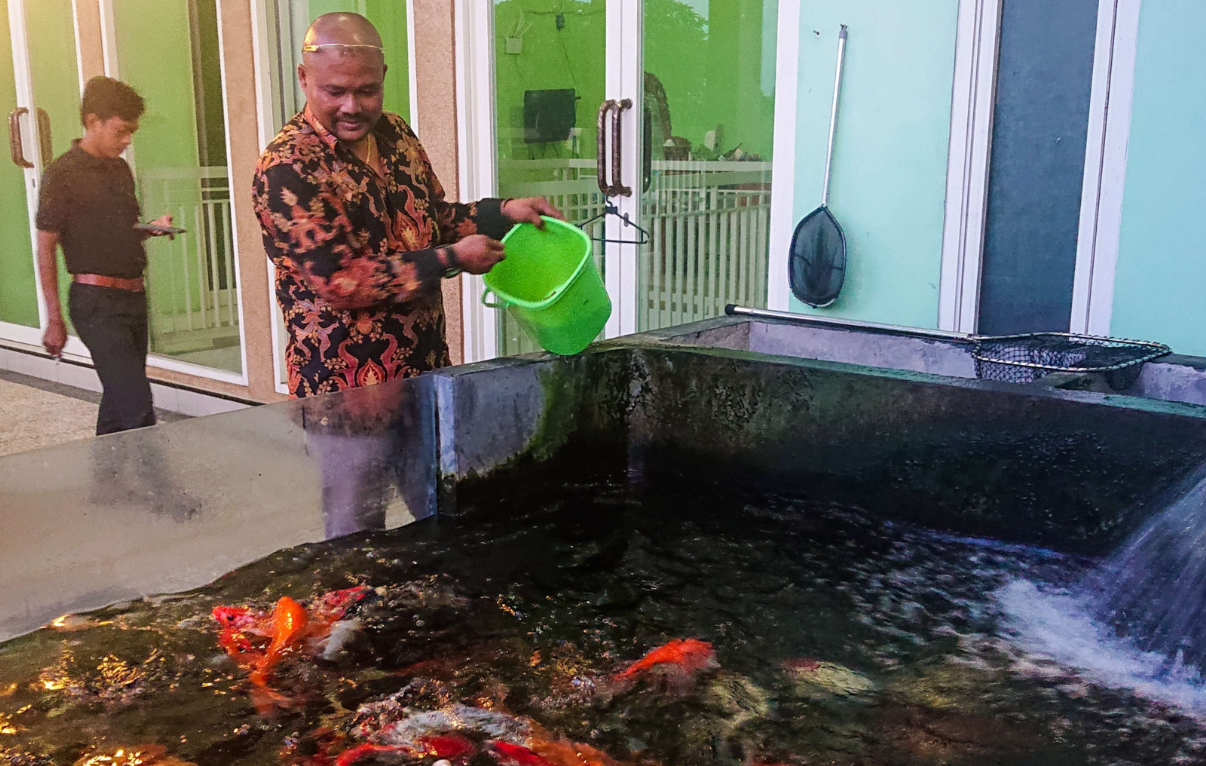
<point x="117" y="283"/>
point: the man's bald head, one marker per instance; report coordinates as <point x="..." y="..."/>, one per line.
<point x="343" y="74"/>
<point x="342" y="34"/>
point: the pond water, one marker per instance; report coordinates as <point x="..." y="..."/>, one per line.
<point x="825" y="635"/>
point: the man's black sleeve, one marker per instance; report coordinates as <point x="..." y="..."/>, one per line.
<point x="52" y="202"/>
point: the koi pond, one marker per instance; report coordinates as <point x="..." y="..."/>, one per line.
<point x="791" y="633"/>
<point x="657" y="557"/>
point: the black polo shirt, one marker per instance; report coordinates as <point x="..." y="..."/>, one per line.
<point x="90" y="203"/>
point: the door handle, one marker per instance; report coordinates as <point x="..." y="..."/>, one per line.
<point x="618" y="187"/>
<point x="600" y="156"/>
<point x="617" y="141"/>
<point x="45" y="147"/>
<point x="16" y="147"/>
<point x="647" y="153"/>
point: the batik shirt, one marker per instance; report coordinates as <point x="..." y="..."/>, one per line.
<point x="359" y="257"/>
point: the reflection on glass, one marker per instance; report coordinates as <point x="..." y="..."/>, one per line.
<point x="709" y="124"/>
<point x="51" y="36"/>
<point x="168" y="50"/>
<point x="135" y="471"/>
<point x="374" y="447"/>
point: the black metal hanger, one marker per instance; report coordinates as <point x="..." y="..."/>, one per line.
<point x="610" y="209"/>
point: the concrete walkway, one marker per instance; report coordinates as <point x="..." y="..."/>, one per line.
<point x="36" y="413"/>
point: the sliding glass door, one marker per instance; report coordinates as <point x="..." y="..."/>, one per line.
<point x="707" y="120"/>
<point x="683" y="93"/>
<point x="170" y="51"/>
<point x="39" y="93"/>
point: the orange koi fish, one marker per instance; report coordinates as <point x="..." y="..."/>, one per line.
<point x="447" y="747"/>
<point x="289" y="628"/>
<point x="682" y="658"/>
<point x="510" y="754"/>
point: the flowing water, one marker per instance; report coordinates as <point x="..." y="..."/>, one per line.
<point x="1137" y="621"/>
<point x="839" y="639"/>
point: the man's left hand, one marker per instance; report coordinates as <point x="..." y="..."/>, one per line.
<point x="163" y="220"/>
<point x="530" y="210"/>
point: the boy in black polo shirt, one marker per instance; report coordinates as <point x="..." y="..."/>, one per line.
<point x="89" y="207"/>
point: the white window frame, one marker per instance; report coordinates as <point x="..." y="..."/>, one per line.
<point x="261" y="52"/>
<point x="625" y="54"/>
<point x="23" y="77"/>
<point x="1105" y="165"/>
<point x="477" y="172"/>
<point x="783" y="165"/>
<point x="977" y="45"/>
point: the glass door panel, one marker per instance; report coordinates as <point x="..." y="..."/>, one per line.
<point x="169" y="51"/>
<point x="54" y="70"/>
<point x="550" y="79"/>
<point x="18" y="291"/>
<point x="708" y="120"/>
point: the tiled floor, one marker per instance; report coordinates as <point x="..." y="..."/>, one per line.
<point x="36" y="413"/>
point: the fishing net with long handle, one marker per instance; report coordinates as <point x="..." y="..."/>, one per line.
<point x="817" y="260"/>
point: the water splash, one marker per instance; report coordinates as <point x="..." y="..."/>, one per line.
<point x="1153" y="589"/>
<point x="1060" y="627"/>
<point x="1138" y="620"/>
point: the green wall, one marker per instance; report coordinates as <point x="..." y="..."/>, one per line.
<point x="154" y="55"/>
<point x="1160" y="281"/>
<point x="18" y="296"/>
<point x="889" y="170"/>
<point x="389" y="17"/>
<point x="710" y="66"/>
<point x="56" y="86"/>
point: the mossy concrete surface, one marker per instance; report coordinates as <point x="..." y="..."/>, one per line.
<point x="1064" y="469"/>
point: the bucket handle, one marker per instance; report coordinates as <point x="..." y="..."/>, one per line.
<point x="500" y="304"/>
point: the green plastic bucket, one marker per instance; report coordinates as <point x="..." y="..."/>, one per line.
<point x="551" y="285"/>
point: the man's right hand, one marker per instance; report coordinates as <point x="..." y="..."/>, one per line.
<point x="55" y="337"/>
<point x="477" y="254"/>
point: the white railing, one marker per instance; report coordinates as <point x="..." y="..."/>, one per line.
<point x="708" y="225"/>
<point x="707" y="249"/>
<point x="191" y="285"/>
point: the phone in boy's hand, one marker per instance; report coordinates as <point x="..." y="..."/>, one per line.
<point x="155" y="228"/>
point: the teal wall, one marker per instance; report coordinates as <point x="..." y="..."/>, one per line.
<point x="889" y="169"/>
<point x="1160" y="282"/>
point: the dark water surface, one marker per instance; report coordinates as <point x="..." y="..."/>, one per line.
<point x="840" y="639"/>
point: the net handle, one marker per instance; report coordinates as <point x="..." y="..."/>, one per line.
<point x="833" y="112"/>
<point x="806" y="319"/>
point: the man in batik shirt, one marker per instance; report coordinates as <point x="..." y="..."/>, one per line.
<point x="357" y="225"/>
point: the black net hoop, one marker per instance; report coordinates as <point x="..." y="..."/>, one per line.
<point x="817" y="261"/>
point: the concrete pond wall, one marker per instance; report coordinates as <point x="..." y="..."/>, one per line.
<point x="173" y="507"/>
